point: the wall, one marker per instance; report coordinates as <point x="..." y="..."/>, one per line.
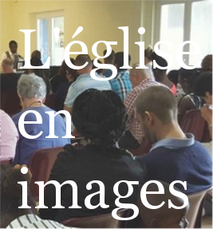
<point x="100" y="20"/>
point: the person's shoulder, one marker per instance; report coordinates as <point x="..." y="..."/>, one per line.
<point x="16" y="116"/>
<point x="4" y="117"/>
<point x="3" y="114"/>
<point x="69" y="153"/>
<point x="123" y="75"/>
<point x="131" y="97"/>
<point x="200" y="147"/>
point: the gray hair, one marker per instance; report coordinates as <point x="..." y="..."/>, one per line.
<point x="31" y="86"/>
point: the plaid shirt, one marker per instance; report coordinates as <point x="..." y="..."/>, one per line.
<point x="121" y="84"/>
<point x="132" y="123"/>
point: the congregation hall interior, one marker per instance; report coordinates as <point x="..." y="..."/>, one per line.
<point x="111" y="100"/>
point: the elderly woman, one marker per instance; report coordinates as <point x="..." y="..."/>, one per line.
<point x="31" y="90"/>
<point x="100" y="117"/>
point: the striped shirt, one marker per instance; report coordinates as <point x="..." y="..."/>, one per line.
<point x="34" y="221"/>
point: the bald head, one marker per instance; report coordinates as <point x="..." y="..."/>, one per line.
<point x="7" y="65"/>
<point x="163" y="217"/>
<point x="138" y="75"/>
<point x="81" y="60"/>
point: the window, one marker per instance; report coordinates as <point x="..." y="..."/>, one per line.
<point x="50" y="37"/>
<point x="185" y="20"/>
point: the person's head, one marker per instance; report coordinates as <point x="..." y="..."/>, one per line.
<point x="119" y="60"/>
<point x="203" y="87"/>
<point x="7" y="65"/>
<point x="13" y="46"/>
<point x="35" y="61"/>
<point x="110" y="59"/>
<point x="163" y="217"/>
<point x="71" y="74"/>
<point x="36" y="54"/>
<point x="81" y="60"/>
<point x="11" y="194"/>
<point x="156" y="109"/>
<point x="138" y="75"/>
<point x="99" y="116"/>
<point x="99" y="71"/>
<point x="64" y="68"/>
<point x="206" y="63"/>
<point x="31" y="87"/>
<point x="159" y="74"/>
<point x="173" y="76"/>
<point x="187" y="78"/>
<point x="148" y="55"/>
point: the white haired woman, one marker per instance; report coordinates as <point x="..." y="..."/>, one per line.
<point x="31" y="90"/>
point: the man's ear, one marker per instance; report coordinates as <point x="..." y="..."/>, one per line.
<point x="148" y="117"/>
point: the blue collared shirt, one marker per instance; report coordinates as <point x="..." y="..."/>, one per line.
<point x="175" y="143"/>
<point x="82" y="83"/>
<point x="179" y="160"/>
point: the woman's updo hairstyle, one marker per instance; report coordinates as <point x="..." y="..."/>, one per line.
<point x="99" y="116"/>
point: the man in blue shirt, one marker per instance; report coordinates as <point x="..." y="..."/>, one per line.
<point x="83" y="82"/>
<point x="121" y="84"/>
<point x="174" y="155"/>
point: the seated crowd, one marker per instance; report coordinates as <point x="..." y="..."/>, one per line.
<point x="131" y="127"/>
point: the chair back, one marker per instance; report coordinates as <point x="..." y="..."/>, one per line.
<point x="143" y="148"/>
<point x="6" y="161"/>
<point x="40" y="166"/>
<point x="193" y="122"/>
<point x="194" y="214"/>
<point x="50" y="101"/>
<point x="10" y="102"/>
<point x="97" y="221"/>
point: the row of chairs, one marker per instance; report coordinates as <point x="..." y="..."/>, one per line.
<point x="194" y="123"/>
<point x="191" y="122"/>
<point x="10" y="102"/>
<point x="45" y="158"/>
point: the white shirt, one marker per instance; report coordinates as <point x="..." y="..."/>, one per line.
<point x="34" y="221"/>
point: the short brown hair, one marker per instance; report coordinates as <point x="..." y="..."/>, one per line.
<point x="158" y="100"/>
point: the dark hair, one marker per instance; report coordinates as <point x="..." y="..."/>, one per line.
<point x="119" y="59"/>
<point x="11" y="193"/>
<point x="71" y="71"/>
<point x="64" y="68"/>
<point x="206" y="63"/>
<point x="99" y="71"/>
<point x="13" y="42"/>
<point x="160" y="61"/>
<point x="111" y="57"/>
<point x="173" y="76"/>
<point x="190" y="76"/>
<point x="99" y="116"/>
<point x="148" y="53"/>
<point x="163" y="103"/>
<point x="36" y="53"/>
<point x="203" y="84"/>
<point x="35" y="61"/>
